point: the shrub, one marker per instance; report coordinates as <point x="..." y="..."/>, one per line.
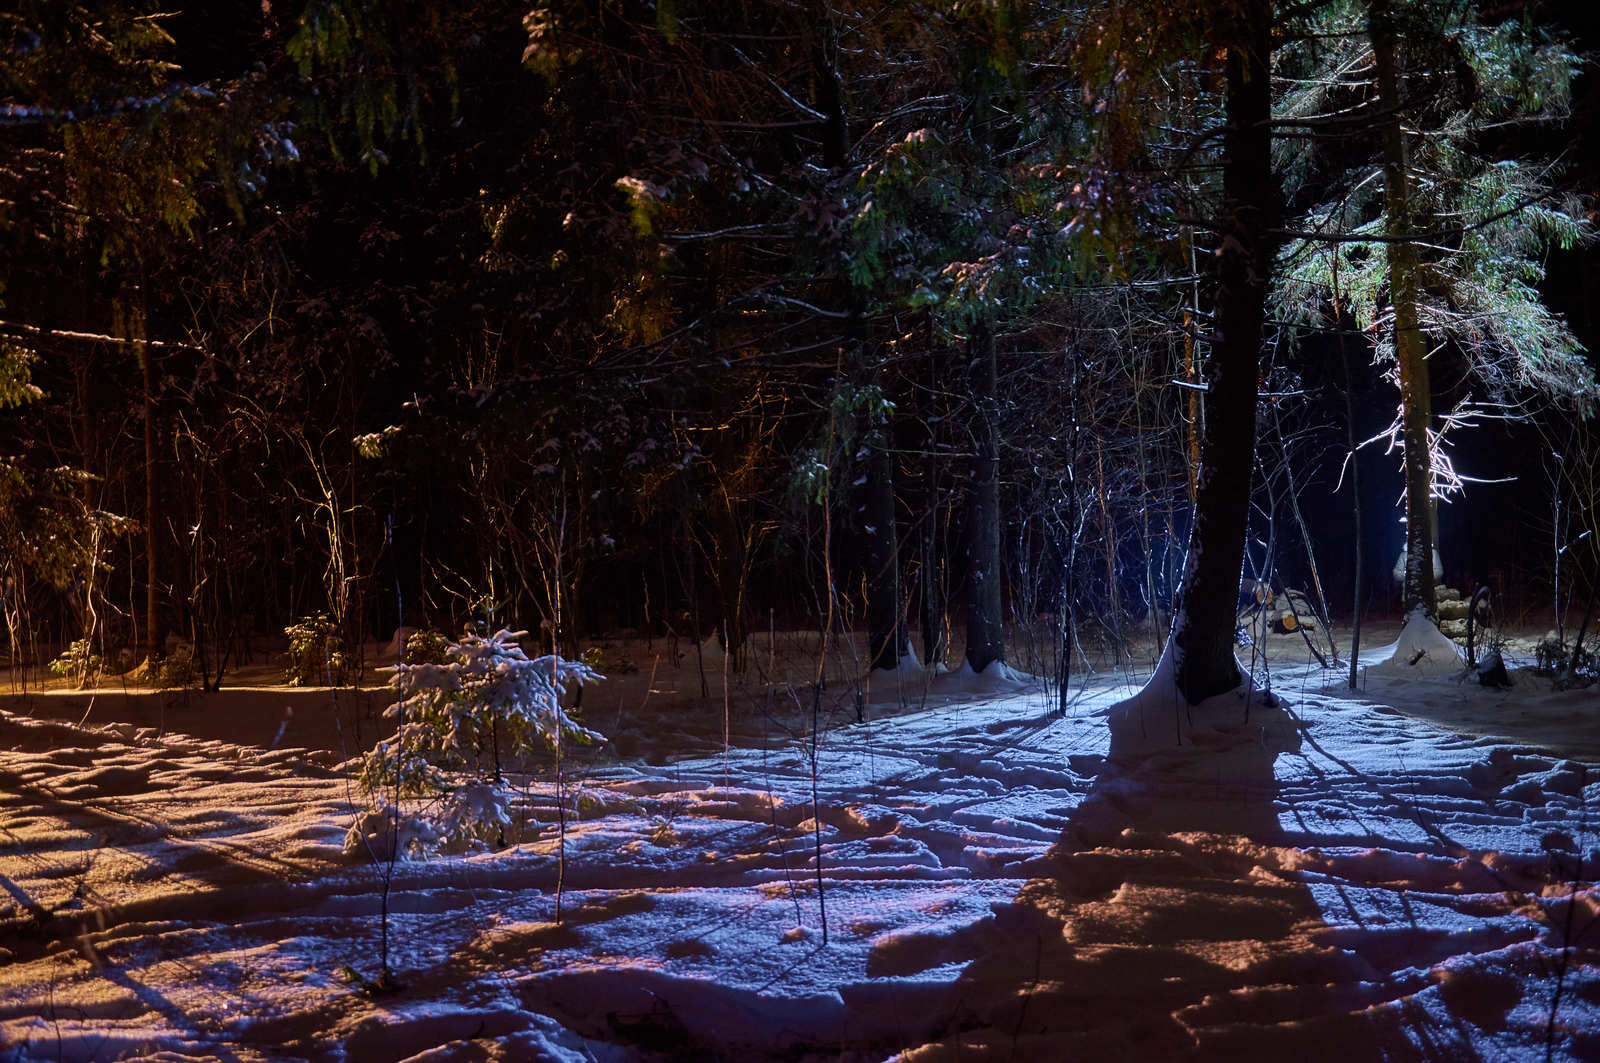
<point x="78" y="661"/>
<point x="177" y="668"/>
<point x="1555" y="658"/>
<point x="604" y="659"/>
<point x="316" y="653"/>
<point x="425" y="647"/>
<point x="458" y="721"/>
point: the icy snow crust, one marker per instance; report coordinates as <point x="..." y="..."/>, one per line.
<point x="1339" y="878"/>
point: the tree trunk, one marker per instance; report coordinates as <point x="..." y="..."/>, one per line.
<point x="130" y="309"/>
<point x="880" y="539"/>
<point x="1360" y="603"/>
<point x="985" y="634"/>
<point x="152" y="586"/>
<point x="932" y="598"/>
<point x="1416" y="406"/>
<point x="886" y="631"/>
<point x="874" y="505"/>
<point x="1203" y="634"/>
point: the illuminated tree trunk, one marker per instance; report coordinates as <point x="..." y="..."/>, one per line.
<point x="1416" y="406"/>
<point x="985" y="632"/>
<point x="1203" y="633"/>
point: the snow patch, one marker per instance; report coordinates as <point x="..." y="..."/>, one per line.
<point x="994" y="886"/>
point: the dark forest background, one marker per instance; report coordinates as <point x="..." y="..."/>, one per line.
<point x="704" y="316"/>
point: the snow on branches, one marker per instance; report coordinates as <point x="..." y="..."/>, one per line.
<point x="458" y="723"/>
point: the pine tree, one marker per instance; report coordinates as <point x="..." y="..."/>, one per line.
<point x="1434" y="243"/>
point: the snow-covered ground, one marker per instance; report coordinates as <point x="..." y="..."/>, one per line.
<point x="1410" y="876"/>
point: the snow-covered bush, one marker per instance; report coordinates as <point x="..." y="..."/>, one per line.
<point x="387" y="833"/>
<point x="458" y="722"/>
<point x="316" y="653"/>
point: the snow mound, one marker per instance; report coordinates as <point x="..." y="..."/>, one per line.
<point x="999" y="677"/>
<point x="913" y="682"/>
<point x="1421" y="650"/>
<point x="908" y="665"/>
<point x="1159" y="720"/>
<point x="395" y="649"/>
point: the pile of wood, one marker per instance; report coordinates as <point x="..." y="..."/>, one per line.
<point x="1293" y="613"/>
<point x="1452" y="612"/>
<point x="1282" y="613"/>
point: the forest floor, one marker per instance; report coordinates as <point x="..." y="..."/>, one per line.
<point x="946" y="867"/>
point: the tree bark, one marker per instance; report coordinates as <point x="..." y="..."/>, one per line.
<point x="152" y="586"/>
<point x="1416" y="405"/>
<point x="985" y="633"/>
<point x="1203" y="633"/>
<point x="933" y="583"/>
<point x="1360" y="604"/>
<point x="133" y="325"/>
<point x="872" y="502"/>
<point x="874" y="506"/>
<point x="886" y="632"/>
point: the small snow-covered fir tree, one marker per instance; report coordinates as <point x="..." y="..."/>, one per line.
<point x="459" y="721"/>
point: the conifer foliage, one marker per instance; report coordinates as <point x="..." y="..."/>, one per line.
<point x="460" y="724"/>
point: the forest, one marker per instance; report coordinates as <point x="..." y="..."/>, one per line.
<point x="839" y="376"/>
<point x="644" y="318"/>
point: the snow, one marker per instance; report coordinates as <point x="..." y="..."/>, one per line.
<point x="1406" y="870"/>
<point x="1421" y="650"/>
<point x="906" y="665"/>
